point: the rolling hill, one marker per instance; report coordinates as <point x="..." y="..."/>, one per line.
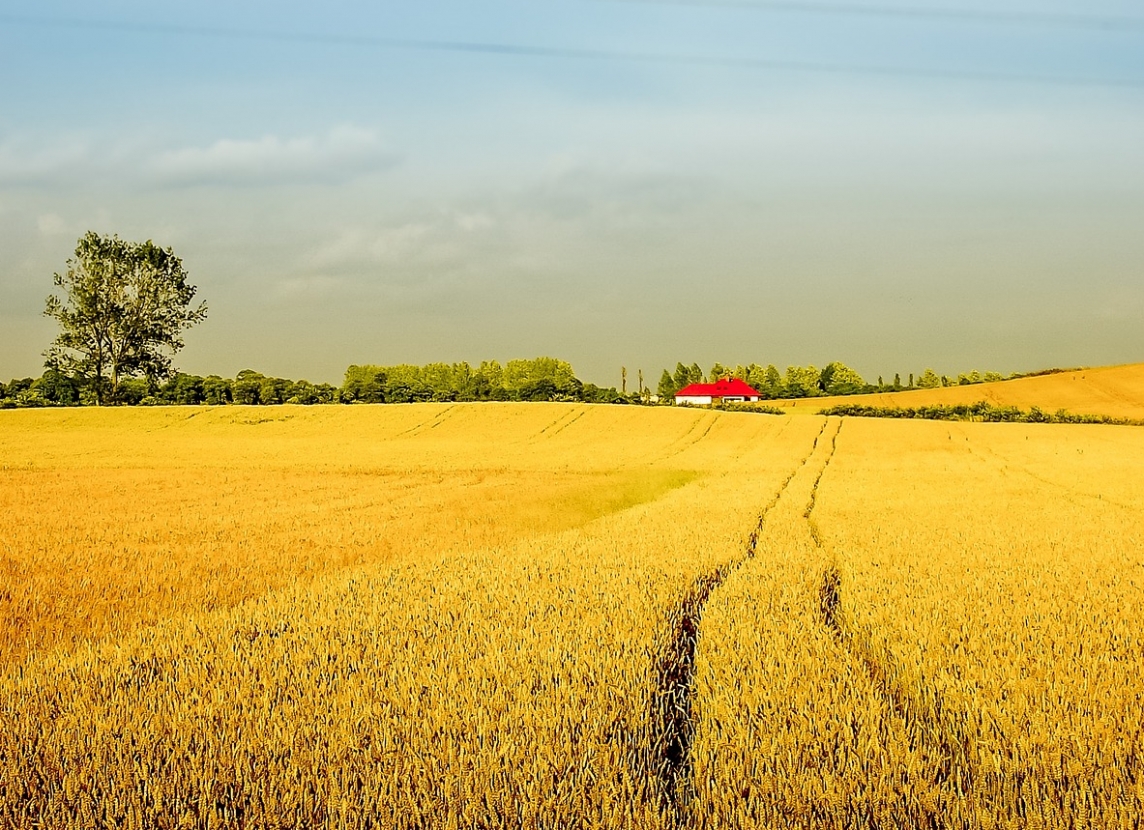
<point x="1117" y="391"/>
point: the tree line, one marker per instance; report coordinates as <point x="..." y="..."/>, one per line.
<point x="809" y="382"/>
<point x="539" y="379"/>
<point x="122" y="308"/>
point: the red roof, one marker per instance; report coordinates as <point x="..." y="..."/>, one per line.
<point x="729" y="388"/>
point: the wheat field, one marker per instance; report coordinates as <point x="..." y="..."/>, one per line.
<point x="1116" y="391"/>
<point x="555" y="615"/>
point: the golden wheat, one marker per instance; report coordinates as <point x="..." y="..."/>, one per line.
<point x="947" y="634"/>
<point x="562" y="615"/>
<point x="1116" y="391"/>
<point x="498" y="682"/>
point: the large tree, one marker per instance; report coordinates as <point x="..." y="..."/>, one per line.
<point x="124" y="308"/>
<point x="839" y="379"/>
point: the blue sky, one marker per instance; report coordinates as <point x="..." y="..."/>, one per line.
<point x="629" y="183"/>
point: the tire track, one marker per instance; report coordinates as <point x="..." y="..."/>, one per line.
<point x="428" y="424"/>
<point x="693" y="442"/>
<point x="564" y="416"/>
<point x="929" y="721"/>
<point x="683" y="438"/>
<point x="568" y="423"/>
<point x="672" y="720"/>
<point x="991" y="457"/>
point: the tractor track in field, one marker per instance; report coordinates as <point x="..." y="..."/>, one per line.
<point x="564" y="416"/>
<point x="931" y="723"/>
<point x="672" y="717"/>
<point x="432" y="422"/>
<point x="990" y="456"/>
<point x="568" y="423"/>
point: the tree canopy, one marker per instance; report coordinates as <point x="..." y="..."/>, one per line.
<point x="123" y="309"/>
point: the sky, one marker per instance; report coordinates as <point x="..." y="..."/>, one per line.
<point x="895" y="185"/>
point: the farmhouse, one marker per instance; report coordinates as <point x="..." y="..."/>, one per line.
<point x="725" y="391"/>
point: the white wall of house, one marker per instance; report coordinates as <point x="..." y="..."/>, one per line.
<point x="707" y="400"/>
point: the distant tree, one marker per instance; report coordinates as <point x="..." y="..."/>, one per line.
<point x="247" y="387"/>
<point x="681" y="376"/>
<point x="929" y="380"/>
<point x="440" y="379"/>
<point x="17" y="393"/>
<point x="802" y="382"/>
<point x="840" y="379"/>
<point x="667" y="388"/>
<point x="305" y="393"/>
<point x="301" y="392"/>
<point x="519" y="373"/>
<point x="18" y="387"/>
<point x="186" y="390"/>
<point x="826" y="376"/>
<point x="216" y="390"/>
<point x="992" y="377"/>
<point x="57" y="388"/>
<point x="597" y="394"/>
<point x="719" y="372"/>
<point x="897" y="381"/>
<point x="773" y="383"/>
<point x="492" y="371"/>
<point x="124" y="308"/>
<point x="136" y="391"/>
<point x="273" y="391"/>
<point x="399" y="392"/>
<point x="541" y="389"/>
<point x="364" y="384"/>
<point x="571" y="389"/>
<point x="478" y="388"/>
<point x="756" y="377"/>
<point x="911" y="380"/>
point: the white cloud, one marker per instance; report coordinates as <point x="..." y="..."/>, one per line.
<point x="29" y="162"/>
<point x="51" y="224"/>
<point x="342" y="153"/>
<point x="358" y="245"/>
<point x="474" y="221"/>
<point x="307" y="288"/>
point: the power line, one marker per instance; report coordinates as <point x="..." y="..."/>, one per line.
<point x="991" y="16"/>
<point x="569" y="53"/>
